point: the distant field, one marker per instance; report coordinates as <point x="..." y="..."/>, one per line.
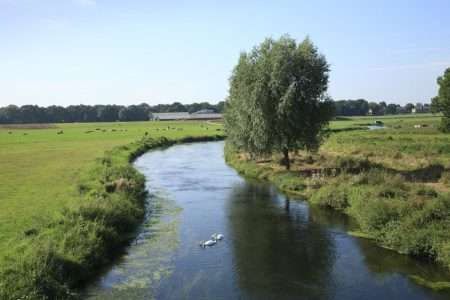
<point x="41" y="164"/>
<point x="412" y="119"/>
<point x="400" y="145"/>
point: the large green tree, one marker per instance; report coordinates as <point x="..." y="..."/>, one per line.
<point x="441" y="103"/>
<point x="277" y="100"/>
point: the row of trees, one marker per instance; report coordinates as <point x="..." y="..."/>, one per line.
<point x="96" y="113"/>
<point x="191" y="108"/>
<point x="362" y="107"/>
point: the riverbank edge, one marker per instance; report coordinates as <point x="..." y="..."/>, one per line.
<point x="55" y="259"/>
<point x="292" y="184"/>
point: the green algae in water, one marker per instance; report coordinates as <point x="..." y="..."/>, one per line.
<point x="434" y="285"/>
<point x="149" y="258"/>
<point x="360" y="234"/>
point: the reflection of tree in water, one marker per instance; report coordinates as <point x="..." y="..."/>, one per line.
<point x="379" y="261"/>
<point x="278" y="253"/>
<point x="331" y="218"/>
<point x="385" y="262"/>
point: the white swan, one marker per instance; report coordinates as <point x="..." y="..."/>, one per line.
<point x="208" y="243"/>
<point x="217" y="236"/>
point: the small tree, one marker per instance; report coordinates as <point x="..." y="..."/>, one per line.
<point x="441" y="103"/>
<point x="409" y="107"/>
<point x="277" y="100"/>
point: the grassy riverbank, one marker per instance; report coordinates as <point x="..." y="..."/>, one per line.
<point x="71" y="199"/>
<point x="394" y="182"/>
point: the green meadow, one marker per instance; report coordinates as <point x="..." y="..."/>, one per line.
<point x="400" y="145"/>
<point x="40" y="168"/>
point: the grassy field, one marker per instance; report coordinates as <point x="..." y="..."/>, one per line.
<point x="400" y="146"/>
<point x="42" y="171"/>
<point x="40" y="168"/>
<point x="395" y="181"/>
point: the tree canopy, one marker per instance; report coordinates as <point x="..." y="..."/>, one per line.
<point x="277" y="100"/>
<point x="441" y="103"/>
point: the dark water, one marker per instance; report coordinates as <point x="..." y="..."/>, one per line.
<point x="274" y="247"/>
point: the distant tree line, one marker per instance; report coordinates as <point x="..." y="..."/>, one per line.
<point x="362" y="107"/>
<point x="144" y="112"/>
<point x="13" y="114"/>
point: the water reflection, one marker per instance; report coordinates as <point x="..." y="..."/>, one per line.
<point x="386" y="267"/>
<point x="278" y="251"/>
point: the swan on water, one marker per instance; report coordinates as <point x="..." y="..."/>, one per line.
<point x="214" y="239"/>
<point x="217" y="236"/>
<point x="208" y="243"/>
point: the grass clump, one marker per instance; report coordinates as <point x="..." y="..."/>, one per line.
<point x="445" y="178"/>
<point x="286" y="181"/>
<point x="331" y="195"/>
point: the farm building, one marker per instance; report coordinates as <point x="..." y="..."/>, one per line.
<point x="200" y="115"/>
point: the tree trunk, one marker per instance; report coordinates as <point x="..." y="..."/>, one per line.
<point x="286" y="158"/>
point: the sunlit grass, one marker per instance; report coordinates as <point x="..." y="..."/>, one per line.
<point x="399" y="145"/>
<point x="39" y="169"/>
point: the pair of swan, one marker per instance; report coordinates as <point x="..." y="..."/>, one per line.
<point x="214" y="238"/>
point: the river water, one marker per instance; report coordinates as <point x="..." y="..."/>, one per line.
<point x="274" y="247"/>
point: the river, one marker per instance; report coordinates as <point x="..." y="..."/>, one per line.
<point x="274" y="247"/>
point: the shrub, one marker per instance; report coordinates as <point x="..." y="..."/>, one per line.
<point x="352" y="163"/>
<point x="373" y="214"/>
<point x="445" y="125"/>
<point x="333" y="196"/>
<point x="445" y="177"/>
<point x="425" y="191"/>
<point x="289" y="182"/>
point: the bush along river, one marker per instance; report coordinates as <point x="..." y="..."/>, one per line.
<point x="274" y="247"/>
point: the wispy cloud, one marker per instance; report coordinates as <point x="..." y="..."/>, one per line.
<point x="86" y="2"/>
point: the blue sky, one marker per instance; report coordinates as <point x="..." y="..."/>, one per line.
<point x="125" y="52"/>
